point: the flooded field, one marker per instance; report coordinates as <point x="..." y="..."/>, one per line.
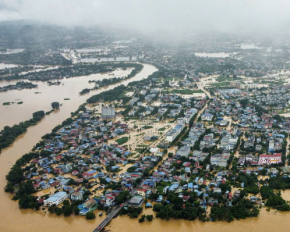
<point x="3" y="66"/>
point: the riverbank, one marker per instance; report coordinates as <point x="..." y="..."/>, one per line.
<point x="28" y="220"/>
<point x="70" y="88"/>
<point x="9" y="134"/>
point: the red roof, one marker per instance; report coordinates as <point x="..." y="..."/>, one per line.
<point x="110" y="197"/>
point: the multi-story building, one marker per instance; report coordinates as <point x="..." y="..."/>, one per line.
<point x="55" y="199"/>
<point x="270" y="159"/>
<point x="108" y="112"/>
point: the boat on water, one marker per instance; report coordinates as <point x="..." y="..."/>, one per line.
<point x="100" y="214"/>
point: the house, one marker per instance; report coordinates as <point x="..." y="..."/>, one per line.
<point x="237" y="193"/>
<point x="206" y="117"/>
<point x="76" y="196"/>
<point x="75" y="173"/>
<point x="110" y="200"/>
<point x="141" y="192"/>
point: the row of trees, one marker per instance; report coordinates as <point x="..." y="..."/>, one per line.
<point x="9" y="134"/>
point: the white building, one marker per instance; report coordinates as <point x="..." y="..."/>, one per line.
<point x="171" y="135"/>
<point x="55" y="199"/>
<point x="184" y="151"/>
<point x="108" y="112"/>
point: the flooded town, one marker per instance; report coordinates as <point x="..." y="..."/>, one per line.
<point x="110" y="129"/>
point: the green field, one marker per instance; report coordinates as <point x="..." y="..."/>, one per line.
<point x="122" y="140"/>
<point x="147" y="127"/>
<point x="220" y="84"/>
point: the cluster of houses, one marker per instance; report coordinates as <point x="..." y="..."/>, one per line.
<point x="80" y="154"/>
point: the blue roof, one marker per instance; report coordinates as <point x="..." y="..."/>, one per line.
<point x="92" y="171"/>
<point x="173" y="187"/>
<point x="190" y="185"/>
<point x="207" y="114"/>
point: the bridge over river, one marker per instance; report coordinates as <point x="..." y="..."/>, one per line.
<point x="108" y="218"/>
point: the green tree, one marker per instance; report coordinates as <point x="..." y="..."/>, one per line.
<point x="90" y="215"/>
<point x="55" y="105"/>
<point x="149" y="217"/>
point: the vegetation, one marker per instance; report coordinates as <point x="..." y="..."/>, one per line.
<point x="122" y="140"/>
<point x="9" y="134"/>
<point x="84" y="91"/>
<point x="147" y="127"/>
<point x="132" y="212"/>
<point x="240" y="210"/>
<point x="55" y="105"/>
<point x="90" y="215"/>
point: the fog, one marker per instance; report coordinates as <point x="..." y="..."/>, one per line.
<point x="151" y="16"/>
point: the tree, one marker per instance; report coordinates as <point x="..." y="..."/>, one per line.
<point x="55" y="105"/>
<point x="90" y="216"/>
<point x="122" y="196"/>
<point x="67" y="210"/>
<point x="76" y="210"/>
<point x="38" y="115"/>
<point x="244" y="102"/>
<point x="149" y="217"/>
<point x="142" y="218"/>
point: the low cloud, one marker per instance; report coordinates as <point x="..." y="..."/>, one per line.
<point x="153" y="16"/>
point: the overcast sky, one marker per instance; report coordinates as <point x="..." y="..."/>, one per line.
<point x="153" y="15"/>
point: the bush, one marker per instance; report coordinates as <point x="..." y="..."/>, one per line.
<point x="55" y="105"/>
<point x="90" y="216"/>
<point x="142" y="218"/>
<point x="149" y="217"/>
<point x="133" y="215"/>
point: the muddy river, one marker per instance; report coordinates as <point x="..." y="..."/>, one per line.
<point x="40" y="98"/>
<point x="13" y="219"/>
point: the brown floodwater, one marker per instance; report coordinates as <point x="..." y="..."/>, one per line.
<point x="13" y="219"/>
<point x="69" y="88"/>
